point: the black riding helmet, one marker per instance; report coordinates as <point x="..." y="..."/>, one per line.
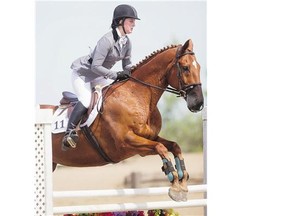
<point x="121" y="12"/>
<point x="126" y="11"/>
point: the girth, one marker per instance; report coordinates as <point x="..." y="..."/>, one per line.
<point x="92" y="139"/>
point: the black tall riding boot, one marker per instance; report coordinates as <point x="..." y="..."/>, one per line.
<point x="71" y="138"/>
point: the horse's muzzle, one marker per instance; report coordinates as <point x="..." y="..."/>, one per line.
<point x="194" y="99"/>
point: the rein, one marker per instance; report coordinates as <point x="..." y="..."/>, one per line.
<point x="168" y="89"/>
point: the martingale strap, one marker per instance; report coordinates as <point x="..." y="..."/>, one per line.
<point x="92" y="139"/>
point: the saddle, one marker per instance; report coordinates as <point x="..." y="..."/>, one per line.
<point x="69" y="100"/>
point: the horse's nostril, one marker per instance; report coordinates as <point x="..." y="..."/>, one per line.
<point x="201" y="107"/>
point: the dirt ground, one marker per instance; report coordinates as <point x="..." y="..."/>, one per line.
<point x="113" y="177"/>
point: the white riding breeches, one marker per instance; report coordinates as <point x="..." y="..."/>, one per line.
<point x="83" y="90"/>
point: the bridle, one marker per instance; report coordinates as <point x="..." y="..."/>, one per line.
<point x="182" y="92"/>
<point x="182" y="86"/>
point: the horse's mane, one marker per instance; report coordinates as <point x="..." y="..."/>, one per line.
<point x="149" y="57"/>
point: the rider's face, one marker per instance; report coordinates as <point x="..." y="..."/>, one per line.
<point x="129" y="24"/>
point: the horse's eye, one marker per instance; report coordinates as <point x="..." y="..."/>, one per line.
<point x="185" y="68"/>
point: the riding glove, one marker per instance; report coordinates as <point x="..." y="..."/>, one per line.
<point x="121" y="75"/>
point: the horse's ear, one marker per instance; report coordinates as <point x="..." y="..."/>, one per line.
<point x="188" y="45"/>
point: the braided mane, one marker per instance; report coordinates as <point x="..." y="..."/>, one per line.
<point x="147" y="58"/>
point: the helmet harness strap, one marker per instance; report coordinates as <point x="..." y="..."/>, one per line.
<point x="122" y="24"/>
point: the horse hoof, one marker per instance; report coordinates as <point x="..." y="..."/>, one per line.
<point x="184" y="192"/>
<point x="184" y="196"/>
<point x="175" y="194"/>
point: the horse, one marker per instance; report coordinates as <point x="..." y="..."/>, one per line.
<point x="129" y="121"/>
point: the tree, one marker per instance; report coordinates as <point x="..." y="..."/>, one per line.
<point x="179" y="124"/>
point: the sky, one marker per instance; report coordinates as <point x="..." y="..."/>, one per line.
<point x="65" y="30"/>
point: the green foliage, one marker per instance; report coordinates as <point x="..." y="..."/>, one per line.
<point x="179" y="124"/>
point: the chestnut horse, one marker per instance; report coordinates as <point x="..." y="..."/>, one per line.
<point x="130" y="121"/>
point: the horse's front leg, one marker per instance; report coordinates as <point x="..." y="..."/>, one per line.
<point x="147" y="147"/>
<point x="175" y="191"/>
<point x="180" y="165"/>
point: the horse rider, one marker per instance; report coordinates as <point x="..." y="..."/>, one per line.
<point x="95" y="68"/>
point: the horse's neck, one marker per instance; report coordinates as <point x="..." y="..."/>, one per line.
<point x="155" y="71"/>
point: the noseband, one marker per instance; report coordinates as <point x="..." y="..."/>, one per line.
<point x="182" y="92"/>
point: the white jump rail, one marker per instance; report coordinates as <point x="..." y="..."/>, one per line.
<point x="43" y="182"/>
<point x="123" y="192"/>
<point x="128" y="206"/>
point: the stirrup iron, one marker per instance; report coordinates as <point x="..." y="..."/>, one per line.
<point x="71" y="142"/>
